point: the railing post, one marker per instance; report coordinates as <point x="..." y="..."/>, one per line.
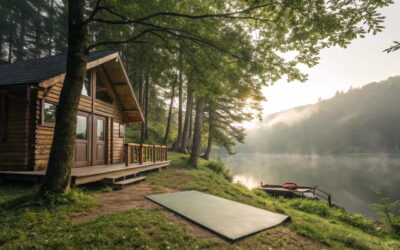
<point x="154" y="153"/>
<point x="126" y="154"/>
<point x="141" y="154"/>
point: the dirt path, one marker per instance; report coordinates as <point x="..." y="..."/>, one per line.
<point x="133" y="197"/>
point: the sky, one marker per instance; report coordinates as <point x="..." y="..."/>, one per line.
<point x="339" y="69"/>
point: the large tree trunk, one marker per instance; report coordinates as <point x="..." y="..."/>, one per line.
<point x="177" y="145"/>
<point x="146" y="105"/>
<point x="210" y="131"/>
<point x="165" y="141"/>
<point x="198" y="124"/>
<point x="190" y="136"/>
<point x="58" y="174"/>
<point x="188" y="113"/>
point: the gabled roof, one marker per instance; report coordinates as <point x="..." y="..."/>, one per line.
<point x="48" y="70"/>
<point x="37" y="70"/>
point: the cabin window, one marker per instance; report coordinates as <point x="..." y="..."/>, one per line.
<point x="86" y="89"/>
<point x="100" y="130"/>
<point x="3" y="117"/>
<point x="121" y="130"/>
<point x="81" y="127"/>
<point x="49" y="113"/>
<point x="101" y="91"/>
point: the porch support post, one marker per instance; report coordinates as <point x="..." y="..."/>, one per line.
<point x="127" y="154"/>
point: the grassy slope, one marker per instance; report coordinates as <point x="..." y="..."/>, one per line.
<point x="27" y="223"/>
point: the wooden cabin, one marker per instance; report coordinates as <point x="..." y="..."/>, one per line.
<point x="29" y="94"/>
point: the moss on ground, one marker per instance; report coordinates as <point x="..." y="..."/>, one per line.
<point x="27" y="222"/>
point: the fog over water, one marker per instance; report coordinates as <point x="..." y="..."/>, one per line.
<point x="351" y="180"/>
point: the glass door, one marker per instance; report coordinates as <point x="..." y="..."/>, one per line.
<point x="82" y="145"/>
<point x="99" y="140"/>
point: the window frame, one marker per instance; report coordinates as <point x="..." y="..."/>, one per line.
<point x="90" y="72"/>
<point x="121" y="132"/>
<point x="44" y="123"/>
<point x="4" y="116"/>
<point x="88" y="126"/>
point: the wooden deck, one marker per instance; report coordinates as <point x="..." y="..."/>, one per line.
<point x="90" y="174"/>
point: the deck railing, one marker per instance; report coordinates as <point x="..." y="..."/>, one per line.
<point x="142" y="153"/>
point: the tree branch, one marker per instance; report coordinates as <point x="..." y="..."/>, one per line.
<point x="130" y="40"/>
<point x="95" y="10"/>
<point x="230" y="15"/>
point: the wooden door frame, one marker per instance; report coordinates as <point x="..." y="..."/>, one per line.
<point x="89" y="126"/>
<point x="93" y="142"/>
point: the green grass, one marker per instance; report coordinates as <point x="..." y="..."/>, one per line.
<point x="28" y="222"/>
<point x="314" y="219"/>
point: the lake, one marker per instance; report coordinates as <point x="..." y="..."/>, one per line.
<point x="351" y="180"/>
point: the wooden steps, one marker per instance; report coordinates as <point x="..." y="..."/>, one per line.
<point x="120" y="180"/>
<point x="121" y="184"/>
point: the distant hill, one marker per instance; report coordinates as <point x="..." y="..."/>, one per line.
<point x="361" y="120"/>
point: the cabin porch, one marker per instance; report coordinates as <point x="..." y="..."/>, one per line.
<point x="139" y="159"/>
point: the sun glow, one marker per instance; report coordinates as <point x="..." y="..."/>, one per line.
<point x="246" y="181"/>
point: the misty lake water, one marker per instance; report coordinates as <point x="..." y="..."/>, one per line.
<point x="351" y="180"/>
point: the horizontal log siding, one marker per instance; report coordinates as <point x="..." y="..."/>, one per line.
<point x="14" y="153"/>
<point x="44" y="134"/>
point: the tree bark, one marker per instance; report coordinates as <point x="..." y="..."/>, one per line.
<point x="185" y="133"/>
<point x="20" y="52"/>
<point x="198" y="124"/>
<point x="210" y="131"/>
<point x="58" y="174"/>
<point x="177" y="145"/>
<point x="189" y="141"/>
<point x="146" y="105"/>
<point x="165" y="141"/>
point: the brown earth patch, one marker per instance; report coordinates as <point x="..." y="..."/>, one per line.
<point x="132" y="197"/>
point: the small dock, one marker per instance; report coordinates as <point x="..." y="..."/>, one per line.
<point x="313" y="193"/>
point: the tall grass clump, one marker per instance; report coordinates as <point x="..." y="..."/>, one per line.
<point x="322" y="209"/>
<point x="219" y="168"/>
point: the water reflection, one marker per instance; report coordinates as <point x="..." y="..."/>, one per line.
<point x="352" y="180"/>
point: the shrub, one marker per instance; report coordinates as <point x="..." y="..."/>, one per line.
<point x="356" y="220"/>
<point x="311" y="206"/>
<point x="390" y="210"/>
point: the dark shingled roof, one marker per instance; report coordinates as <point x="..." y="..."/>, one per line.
<point x="37" y="70"/>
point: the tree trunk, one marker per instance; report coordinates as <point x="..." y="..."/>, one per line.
<point x="58" y="174"/>
<point x="51" y="27"/>
<point x="210" y="132"/>
<point x="198" y="124"/>
<point x="185" y="133"/>
<point x="10" y="41"/>
<point x="165" y="141"/>
<point x="141" y="100"/>
<point x="146" y="105"/>
<point x="20" y="52"/>
<point x="177" y="145"/>
<point x="189" y="141"/>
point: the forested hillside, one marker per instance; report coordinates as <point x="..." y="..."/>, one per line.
<point x="358" y="121"/>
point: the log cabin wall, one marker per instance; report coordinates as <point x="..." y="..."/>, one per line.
<point x="16" y="145"/>
<point x="44" y="133"/>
